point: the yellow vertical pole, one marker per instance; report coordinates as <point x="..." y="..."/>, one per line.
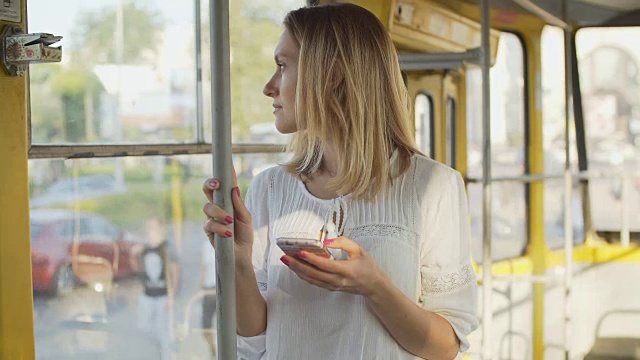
<point x="16" y="299"/>
<point x="461" y="124"/>
<point x="176" y="203"/>
<point x="537" y="246"/>
<point x="440" y="120"/>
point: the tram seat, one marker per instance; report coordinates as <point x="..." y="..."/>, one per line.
<point x="611" y="347"/>
<point x="615" y="348"/>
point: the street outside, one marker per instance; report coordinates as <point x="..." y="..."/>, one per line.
<point x="87" y="325"/>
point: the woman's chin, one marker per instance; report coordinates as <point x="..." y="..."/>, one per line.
<point x="285" y="128"/>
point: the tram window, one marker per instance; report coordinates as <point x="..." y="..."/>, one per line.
<point x="424" y="123"/>
<point x="509" y="235"/>
<point x="78" y="101"/>
<point x="134" y="81"/>
<point x="451" y="132"/>
<point x="609" y="68"/>
<point x="553" y="116"/>
<point x="152" y="186"/>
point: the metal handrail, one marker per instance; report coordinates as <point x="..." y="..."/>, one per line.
<point x="625" y="175"/>
<point x="519" y="178"/>
<point x="583" y="175"/>
<point x="542" y="13"/>
<point x="614" y="312"/>
<point x="534" y="279"/>
<point x="438" y="61"/>
<point x="122" y="150"/>
<point x="221" y="150"/>
<point x="487" y="293"/>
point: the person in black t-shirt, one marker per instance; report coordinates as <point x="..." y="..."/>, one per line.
<point x="158" y="264"/>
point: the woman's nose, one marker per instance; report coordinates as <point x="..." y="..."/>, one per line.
<point x="270" y="89"/>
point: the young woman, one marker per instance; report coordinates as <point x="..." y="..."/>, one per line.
<point x="407" y="289"/>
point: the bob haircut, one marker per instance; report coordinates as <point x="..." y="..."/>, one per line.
<point x="350" y="95"/>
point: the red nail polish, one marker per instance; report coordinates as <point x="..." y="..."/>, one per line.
<point x="228" y="219"/>
<point x="329" y="242"/>
<point x="237" y="190"/>
<point x="302" y="254"/>
<point x="284" y="260"/>
<point x="213" y="183"/>
<point x="228" y="233"/>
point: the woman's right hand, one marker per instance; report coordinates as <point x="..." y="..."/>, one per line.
<point x="225" y="225"/>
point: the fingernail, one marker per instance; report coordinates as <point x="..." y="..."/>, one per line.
<point x="213" y="183"/>
<point x="237" y="190"/>
<point x="228" y="219"/>
<point x="284" y="260"/>
<point x="329" y="242"/>
<point x="302" y="254"/>
<point x="228" y="233"/>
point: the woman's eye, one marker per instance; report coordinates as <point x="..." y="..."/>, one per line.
<point x="281" y="66"/>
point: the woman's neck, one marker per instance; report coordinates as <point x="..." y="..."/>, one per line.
<point x="317" y="183"/>
<point x="329" y="161"/>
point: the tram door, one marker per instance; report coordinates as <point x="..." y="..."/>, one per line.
<point x="439" y="119"/>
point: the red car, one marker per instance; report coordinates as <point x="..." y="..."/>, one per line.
<point x="55" y="233"/>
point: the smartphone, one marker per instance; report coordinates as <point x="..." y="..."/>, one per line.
<point x="291" y="247"/>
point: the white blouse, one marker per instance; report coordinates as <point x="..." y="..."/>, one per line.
<point x="418" y="233"/>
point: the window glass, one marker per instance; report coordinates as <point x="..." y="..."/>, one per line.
<point x="169" y="187"/>
<point x="509" y="235"/>
<point x="608" y="61"/>
<point x="253" y="34"/>
<point x="553" y="116"/>
<point x="66" y="230"/>
<point x="88" y="229"/>
<point x="424" y="123"/>
<point x="128" y="73"/>
<point x="37" y="230"/>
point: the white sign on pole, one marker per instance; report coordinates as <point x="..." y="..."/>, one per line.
<point x="11" y="10"/>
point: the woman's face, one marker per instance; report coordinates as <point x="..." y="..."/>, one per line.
<point x="282" y="85"/>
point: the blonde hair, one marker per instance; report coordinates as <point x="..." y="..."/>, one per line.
<point x="350" y="94"/>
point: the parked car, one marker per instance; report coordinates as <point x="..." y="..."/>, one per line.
<point x="72" y="189"/>
<point x="55" y="233"/>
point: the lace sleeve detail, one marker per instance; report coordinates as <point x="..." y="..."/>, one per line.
<point x="440" y="283"/>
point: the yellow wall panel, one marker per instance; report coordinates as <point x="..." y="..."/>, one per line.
<point x="16" y="299"/>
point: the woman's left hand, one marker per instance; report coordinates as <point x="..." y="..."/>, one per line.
<point x="358" y="275"/>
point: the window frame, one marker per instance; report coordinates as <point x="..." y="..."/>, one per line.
<point x="431" y="120"/>
<point x="525" y="178"/>
<point x="451" y="128"/>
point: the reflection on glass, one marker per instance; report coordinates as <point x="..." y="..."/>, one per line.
<point x="509" y="235"/>
<point x="424" y="123"/>
<point x="127" y="74"/>
<point x="88" y="233"/>
<point x="610" y="83"/>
